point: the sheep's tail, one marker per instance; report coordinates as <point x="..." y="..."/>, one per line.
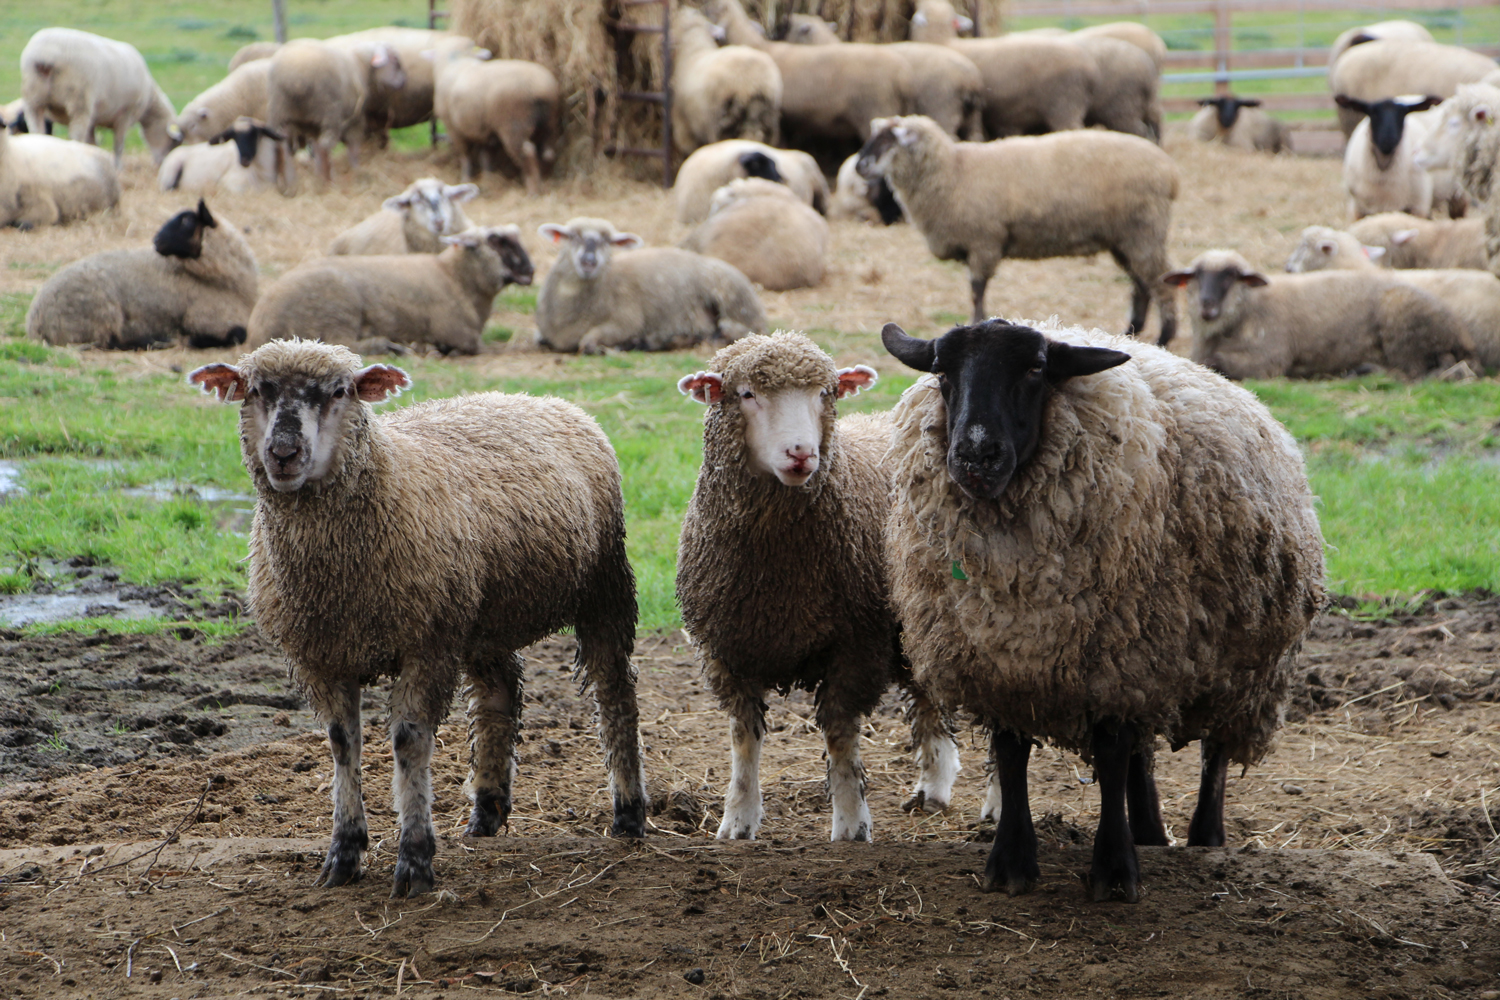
<point x="752" y="117"/>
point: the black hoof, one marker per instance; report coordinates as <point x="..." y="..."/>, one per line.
<point x="1013" y="879"/>
<point x="920" y="803"/>
<point x="413" y="877"/>
<point x="341" y="863"/>
<point x="630" y="818"/>
<point x="1121" y="880"/>
<point x="489" y="814"/>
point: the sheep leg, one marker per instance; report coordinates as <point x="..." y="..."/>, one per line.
<point x="1116" y="866"/>
<point x="846" y="773"/>
<point x="1012" y="862"/>
<point x="350" y="833"/>
<point x="937" y="754"/>
<point x="1207" y="827"/>
<point x="494" y="699"/>
<point x="977" y="283"/>
<point x="1142" y="801"/>
<point x="411" y="790"/>
<point x="743" y="811"/>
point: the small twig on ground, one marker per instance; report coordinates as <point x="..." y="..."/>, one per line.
<point x="155" y="852"/>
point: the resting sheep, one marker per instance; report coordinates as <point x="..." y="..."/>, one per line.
<point x="1471" y="146"/>
<point x="428" y="545"/>
<point x="982" y="202"/>
<point x="711" y="167"/>
<point x="1239" y="123"/>
<point x="1379" y="70"/>
<point x="766" y="232"/>
<point x="482" y="101"/>
<point x="436" y="300"/>
<point x="414" y="221"/>
<point x="86" y="81"/>
<point x="1095" y="542"/>
<point x="316" y="92"/>
<point x="655" y="299"/>
<point x="1248" y="325"/>
<point x="245" y="157"/>
<point x="856" y="198"/>
<point x="46" y="181"/>
<point x="195" y="286"/>
<point x="1412" y="242"/>
<point x="241" y="94"/>
<point x="786" y="484"/>
<point x="728" y="93"/>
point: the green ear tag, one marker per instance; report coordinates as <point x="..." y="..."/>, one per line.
<point x="958" y="571"/>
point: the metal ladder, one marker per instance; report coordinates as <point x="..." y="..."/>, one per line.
<point x="433" y="15"/>
<point x="624" y="33"/>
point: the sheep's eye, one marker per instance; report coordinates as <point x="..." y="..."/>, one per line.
<point x="747" y="394"/>
<point x="338" y="393"/>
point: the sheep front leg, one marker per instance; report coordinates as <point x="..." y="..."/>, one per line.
<point x="350" y="834"/>
<point x="1207" y="827"/>
<point x="937" y="755"/>
<point x="743" y="811"/>
<point x="494" y="699"/>
<point x="979" y="278"/>
<point x="411" y="790"/>
<point x="1012" y="862"/>
<point x="1115" y="865"/>
<point x="846" y="775"/>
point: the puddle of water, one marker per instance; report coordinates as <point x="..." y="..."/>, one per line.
<point x="171" y="490"/>
<point x="30" y="609"/>
<point x="10" y="478"/>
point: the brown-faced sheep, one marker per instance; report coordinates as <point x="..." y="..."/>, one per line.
<point x="788" y="486"/>
<point x="711" y="167"/>
<point x="245" y="157"/>
<point x="483" y="101"/>
<point x="1239" y="123"/>
<point x="478" y="525"/>
<point x="194" y="287"/>
<point x="414" y="221"/>
<point x="766" y="232"/>
<point x="46" y="181"/>
<point x="732" y="92"/>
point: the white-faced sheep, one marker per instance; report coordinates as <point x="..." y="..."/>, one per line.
<point x="982" y="202"/>
<point x="856" y="198"/>
<point x="711" y="167"/>
<point x="1412" y="242"/>
<point x="1379" y="70"/>
<point x="46" y="181"/>
<point x="728" y="93"/>
<point x="194" y="287"/>
<point x="478" y="525"/>
<point x="1381" y="31"/>
<point x="86" y="81"/>
<point x="483" y="101"/>
<point x="1095" y="542"/>
<point x="316" y="92"/>
<point x="766" y="232"/>
<point x="1380" y="169"/>
<point x="245" y="157"/>
<point x="414" y="221"/>
<point x="439" y="301"/>
<point x="653" y="299"/>
<point x="1471" y="145"/>
<point x="1248" y="325"/>
<point x="241" y="94"/>
<point x="786" y="484"/>
<point x="1239" y="123"/>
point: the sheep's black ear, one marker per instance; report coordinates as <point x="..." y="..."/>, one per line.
<point x="204" y="217"/>
<point x="1345" y="101"/>
<point x="1253" y="102"/>
<point x="910" y="351"/>
<point x="1204" y="102"/>
<point x="1065" y="361"/>
<point x="222" y="137"/>
<point x="271" y="133"/>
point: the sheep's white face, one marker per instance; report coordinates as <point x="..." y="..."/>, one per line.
<point x="1322" y="247"/>
<point x="589" y="246"/>
<point x="433" y="204"/>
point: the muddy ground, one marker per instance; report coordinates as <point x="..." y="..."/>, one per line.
<point x="1363" y="858"/>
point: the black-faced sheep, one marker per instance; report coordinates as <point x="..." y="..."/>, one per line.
<point x="770" y="235"/>
<point x="1239" y="123"/>
<point x="732" y="92"/>
<point x="414" y="221"/>
<point x="195" y="286"/>
<point x="1380" y="168"/>
<point x="245" y="157"/>
<point x="1248" y="325"/>
<point x="785" y="483"/>
<point x="1070" y="194"/>
<point x="1097" y="547"/>
<point x="484" y="101"/>
<point x="711" y="167"/>
<point x="868" y="201"/>
<point x="316" y="92"/>
<point x="1379" y="70"/>
<point x="428" y="545"/>
<point x="653" y="299"/>
<point x="46" y="181"/>
<point x="440" y="301"/>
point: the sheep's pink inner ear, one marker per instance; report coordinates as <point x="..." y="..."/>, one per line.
<point x="1177" y="279"/>
<point x="376" y="382"/>
<point x="1255" y="279"/>
<point x="224" y="381"/>
<point x="705" y="387"/>
<point x="852" y="380"/>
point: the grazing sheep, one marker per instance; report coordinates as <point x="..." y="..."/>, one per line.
<point x="1125" y="99"/>
<point x="786" y="484"/>
<point x="253" y="52"/>
<point x="766" y="232"/>
<point x="1380" y="170"/>
<point x="1379" y="70"/>
<point x="439" y="301"/>
<point x="1248" y="325"/>
<point x="195" y="287"/>
<point x="728" y="93"/>
<point x="245" y="157"/>
<point x="46" y="181"/>
<point x="509" y="101"/>
<point x="868" y="201"/>
<point x="656" y="299"/>
<point x="411" y="103"/>
<point x="430" y="544"/>
<point x="13" y="117"/>
<point x="86" y="81"/>
<point x="1239" y="123"/>
<point x="1425" y="243"/>
<point x="1095" y="542"/>
<point x="1136" y="34"/>
<point x="414" y="221"/>
<point x="1382" y="31"/>
<point x="982" y="202"/>
<point x="241" y="94"/>
<point x="316" y="92"/>
<point x="711" y="167"/>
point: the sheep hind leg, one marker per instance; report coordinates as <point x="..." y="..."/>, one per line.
<point x="1011" y="865"/>
<point x="494" y="701"/>
<point x="846" y="776"/>
<point x="977" y="284"/>
<point x="1115" y="866"/>
<point x="936" y="752"/>
<point x="1207" y="827"/>
<point x="350" y="833"/>
<point x="1142" y="801"/>
<point x="1146" y="286"/>
<point x="743" y="811"/>
<point x="411" y="788"/>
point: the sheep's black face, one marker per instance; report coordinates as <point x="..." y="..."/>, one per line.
<point x="513" y="256"/>
<point x="182" y="234"/>
<point x="995" y="379"/>
<point x="877" y="149"/>
<point x="1228" y="109"/>
<point x="758" y="164"/>
<point x="1387" y="118"/>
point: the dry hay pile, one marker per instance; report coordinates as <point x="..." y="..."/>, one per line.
<point x="577" y="41"/>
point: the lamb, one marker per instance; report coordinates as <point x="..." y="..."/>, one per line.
<point x="1380" y="171"/>
<point x="656" y="299"/>
<point x="786" y="484"/>
<point x="245" y="157"/>
<point x="46" y="181"/>
<point x="981" y="202"/>
<point x="241" y="94"/>
<point x="85" y="81"/>
<point x="439" y="301"/>
<point x="856" y="198"/>
<point x="1376" y="71"/>
<point x="1247" y="325"/>
<point x="1077" y="545"/>
<point x="195" y="286"/>
<point x="414" y="221"/>
<point x="713" y="166"/>
<point x="1239" y="123"/>
<point x="766" y="232"/>
<point x="253" y="52"/>
<point x="478" y="525"/>
<point x="728" y="93"/>
<point x="1382" y="31"/>
<point x="482" y="100"/>
<point x="316" y="92"/>
<point x="1408" y="241"/>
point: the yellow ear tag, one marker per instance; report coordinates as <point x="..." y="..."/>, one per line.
<point x="958" y="571"/>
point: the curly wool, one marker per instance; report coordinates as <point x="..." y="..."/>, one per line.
<point x="1157" y="560"/>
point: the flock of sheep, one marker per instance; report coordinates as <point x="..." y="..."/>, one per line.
<point x="1066" y="534"/>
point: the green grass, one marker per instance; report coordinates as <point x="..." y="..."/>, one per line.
<point x="212" y="631"/>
